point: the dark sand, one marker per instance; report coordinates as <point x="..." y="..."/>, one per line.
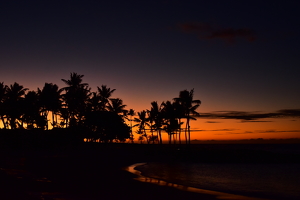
<point x="97" y="171"/>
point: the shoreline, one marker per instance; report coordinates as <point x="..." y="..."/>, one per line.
<point x="214" y="194"/>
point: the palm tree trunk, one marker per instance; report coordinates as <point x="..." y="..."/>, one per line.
<point x="160" y="139"/>
<point x="189" y="132"/>
<point x="179" y="133"/>
<point x="174" y="137"/>
<point x="185" y="132"/>
<point x="53" y="119"/>
<point x="46" y="116"/>
<point x="131" y="129"/>
<point x="56" y="118"/>
<point x="152" y="134"/>
<point x="145" y="135"/>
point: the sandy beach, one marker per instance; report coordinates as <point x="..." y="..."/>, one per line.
<point x="92" y="171"/>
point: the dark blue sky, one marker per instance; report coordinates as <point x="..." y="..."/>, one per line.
<point x="238" y="55"/>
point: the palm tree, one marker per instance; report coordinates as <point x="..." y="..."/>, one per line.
<point x="50" y="99"/>
<point x="13" y="102"/>
<point x="189" y="106"/>
<point x="179" y="114"/>
<point x="76" y="98"/>
<point x="3" y="90"/>
<point x="141" y="123"/>
<point x="104" y="94"/>
<point x="74" y="82"/>
<point x="130" y="113"/>
<point x="151" y="121"/>
<point x="171" y="122"/>
<point x="156" y="115"/>
<point x="116" y="106"/>
<point x="31" y="108"/>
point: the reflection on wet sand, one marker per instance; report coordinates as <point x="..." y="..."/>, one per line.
<point x="218" y="195"/>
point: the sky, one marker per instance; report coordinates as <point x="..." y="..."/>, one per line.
<point x="241" y="57"/>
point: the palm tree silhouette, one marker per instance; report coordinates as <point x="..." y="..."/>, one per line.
<point x="116" y="106"/>
<point x="104" y="94"/>
<point x="76" y="97"/>
<point x="31" y="109"/>
<point x="156" y="114"/>
<point x="179" y="114"/>
<point x="151" y="119"/>
<point x="3" y="89"/>
<point x="14" y="97"/>
<point x="171" y="122"/>
<point x="142" y="123"/>
<point x="189" y="106"/>
<point x="50" y="98"/>
<point x="130" y="113"/>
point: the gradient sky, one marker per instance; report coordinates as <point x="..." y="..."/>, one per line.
<point x="237" y="55"/>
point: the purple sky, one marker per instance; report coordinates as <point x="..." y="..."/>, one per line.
<point x="237" y="55"/>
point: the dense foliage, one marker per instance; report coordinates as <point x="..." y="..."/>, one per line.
<point x="99" y="116"/>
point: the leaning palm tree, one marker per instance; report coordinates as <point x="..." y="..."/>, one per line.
<point x="189" y="106"/>
<point x="13" y="102"/>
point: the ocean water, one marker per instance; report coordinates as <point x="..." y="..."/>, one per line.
<point x="269" y="181"/>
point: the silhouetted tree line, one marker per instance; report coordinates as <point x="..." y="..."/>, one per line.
<point x="99" y="116"/>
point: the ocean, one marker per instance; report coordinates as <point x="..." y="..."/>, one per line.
<point x="267" y="180"/>
<point x="270" y="181"/>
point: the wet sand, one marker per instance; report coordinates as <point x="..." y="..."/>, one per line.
<point x="94" y="171"/>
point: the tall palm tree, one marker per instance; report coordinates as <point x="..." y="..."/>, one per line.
<point x="151" y="119"/>
<point x="189" y="106"/>
<point x="50" y="99"/>
<point x="156" y="115"/>
<point x="179" y="114"/>
<point x="142" y="123"/>
<point x="3" y="90"/>
<point x="130" y="113"/>
<point x="32" y="115"/>
<point x="76" y="97"/>
<point x="13" y="102"/>
<point x="171" y="122"/>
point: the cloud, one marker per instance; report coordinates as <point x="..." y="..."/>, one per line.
<point x="277" y="131"/>
<point x="226" y="129"/>
<point x="258" y="132"/>
<point x="214" y="130"/>
<point x="212" y="122"/>
<point x="243" y="121"/>
<point x="252" y="116"/>
<point x="205" y="31"/>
